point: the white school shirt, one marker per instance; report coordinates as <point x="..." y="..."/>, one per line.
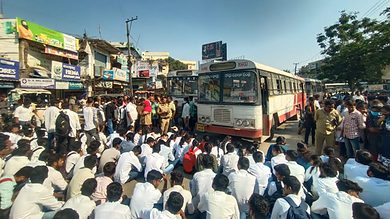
<point x="296" y="170"/>
<point x="327" y="184"/>
<point x="77" y="182"/>
<point x="375" y="191"/>
<point x="383" y="210"/>
<point x="50" y="116"/>
<point x="14" y="164"/>
<point x="229" y="163"/>
<point x="242" y="191"/>
<point x="55" y="181"/>
<point x="219" y="205"/>
<point x="131" y="109"/>
<point x="145" y="195"/>
<point x="200" y="184"/>
<point x="71" y="160"/>
<point x="262" y="174"/>
<point x="112" y="210"/>
<point x="278" y="159"/>
<point x="281" y="207"/>
<point x="186" y="196"/>
<point x="23" y="114"/>
<point x="80" y="164"/>
<point x="337" y="205"/>
<point x="109" y="155"/>
<point x="353" y="169"/>
<point x="214" y="151"/>
<point x="127" y="161"/>
<point x="74" y="122"/>
<point x="156" y="214"/>
<point x="82" y="204"/>
<point x="90" y="117"/>
<point x="154" y="162"/>
<point x="146" y="150"/>
<point x="186" y="111"/>
<point x="31" y="200"/>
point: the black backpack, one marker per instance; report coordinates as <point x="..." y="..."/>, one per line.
<point x="63" y="125"/>
<point x="297" y="212"/>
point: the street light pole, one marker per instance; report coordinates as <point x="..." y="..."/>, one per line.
<point x="129" y="64"/>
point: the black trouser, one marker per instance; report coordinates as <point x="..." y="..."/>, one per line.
<point x="310" y="128"/>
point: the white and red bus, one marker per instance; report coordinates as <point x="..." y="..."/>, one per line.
<point x="246" y="99"/>
<point x="182" y="83"/>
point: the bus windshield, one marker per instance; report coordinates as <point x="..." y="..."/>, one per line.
<point x="237" y="87"/>
<point x="183" y="86"/>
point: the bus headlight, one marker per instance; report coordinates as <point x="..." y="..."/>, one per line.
<point x="208" y="120"/>
<point x="246" y="123"/>
<point x="239" y="122"/>
<point x="202" y="119"/>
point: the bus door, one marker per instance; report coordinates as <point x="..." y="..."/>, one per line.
<point x="264" y="103"/>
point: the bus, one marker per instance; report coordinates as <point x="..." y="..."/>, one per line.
<point x="182" y="83"/>
<point x="246" y="99"/>
<point x="314" y="86"/>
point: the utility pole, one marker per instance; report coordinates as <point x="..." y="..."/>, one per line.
<point x="129" y="64"/>
<point x="1" y="9"/>
<point x="295" y="69"/>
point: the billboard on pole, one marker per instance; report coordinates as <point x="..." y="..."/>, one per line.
<point x="212" y="50"/>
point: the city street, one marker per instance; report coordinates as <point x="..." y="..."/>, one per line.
<point x="289" y="130"/>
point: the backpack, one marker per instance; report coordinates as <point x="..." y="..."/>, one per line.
<point x="62" y="125"/>
<point x="297" y="212"/>
<point x="189" y="160"/>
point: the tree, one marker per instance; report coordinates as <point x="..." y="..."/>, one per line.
<point x="355" y="50"/>
<point x="175" y="64"/>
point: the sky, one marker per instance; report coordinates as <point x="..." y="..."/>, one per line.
<point x="273" y="32"/>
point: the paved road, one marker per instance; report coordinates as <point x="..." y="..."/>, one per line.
<point x="288" y="129"/>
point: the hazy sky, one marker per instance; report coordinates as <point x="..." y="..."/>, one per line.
<point x="273" y="32"/>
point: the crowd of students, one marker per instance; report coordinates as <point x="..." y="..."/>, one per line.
<point x="61" y="169"/>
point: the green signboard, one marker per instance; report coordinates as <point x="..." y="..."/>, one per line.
<point x="35" y="32"/>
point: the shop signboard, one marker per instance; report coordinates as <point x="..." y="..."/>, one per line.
<point x="37" y="83"/>
<point x="6" y="84"/>
<point x="76" y="86"/>
<point x="70" y="72"/>
<point x="108" y="75"/>
<point x="120" y="75"/>
<point x="62" y="85"/>
<point x="62" y="53"/>
<point x="143" y="69"/>
<point x="104" y="84"/>
<point x="37" y="33"/>
<point x="63" y="71"/>
<point x="9" y="69"/>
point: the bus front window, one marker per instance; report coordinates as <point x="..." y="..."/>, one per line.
<point x="190" y="86"/>
<point x="240" y="87"/>
<point x="209" y="88"/>
<point x="175" y="87"/>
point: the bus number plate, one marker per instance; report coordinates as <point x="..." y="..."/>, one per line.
<point x="200" y="127"/>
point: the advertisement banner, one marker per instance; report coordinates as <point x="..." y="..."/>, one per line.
<point x="70" y="72"/>
<point x="7" y="28"/>
<point x="76" y="86"/>
<point x="59" y="52"/>
<point x="37" y="83"/>
<point x="56" y="70"/>
<point x="104" y="84"/>
<point x="212" y="50"/>
<point x="143" y="69"/>
<point x="108" y="75"/>
<point x="62" y="85"/>
<point x="6" y="84"/>
<point x="120" y="75"/>
<point x="37" y="33"/>
<point x="9" y="69"/>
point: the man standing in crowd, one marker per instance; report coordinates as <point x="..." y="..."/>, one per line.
<point x="353" y="121"/>
<point x="165" y="114"/>
<point x="50" y="116"/>
<point x="90" y="118"/>
<point x="23" y="113"/>
<point x="132" y="114"/>
<point x="109" y="112"/>
<point x="185" y="115"/>
<point x="74" y="121"/>
<point x="327" y="119"/>
<point x="310" y="123"/>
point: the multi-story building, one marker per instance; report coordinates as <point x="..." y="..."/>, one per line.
<point x="191" y="65"/>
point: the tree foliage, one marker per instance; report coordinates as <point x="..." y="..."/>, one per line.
<point x="175" y="64"/>
<point x="355" y="49"/>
